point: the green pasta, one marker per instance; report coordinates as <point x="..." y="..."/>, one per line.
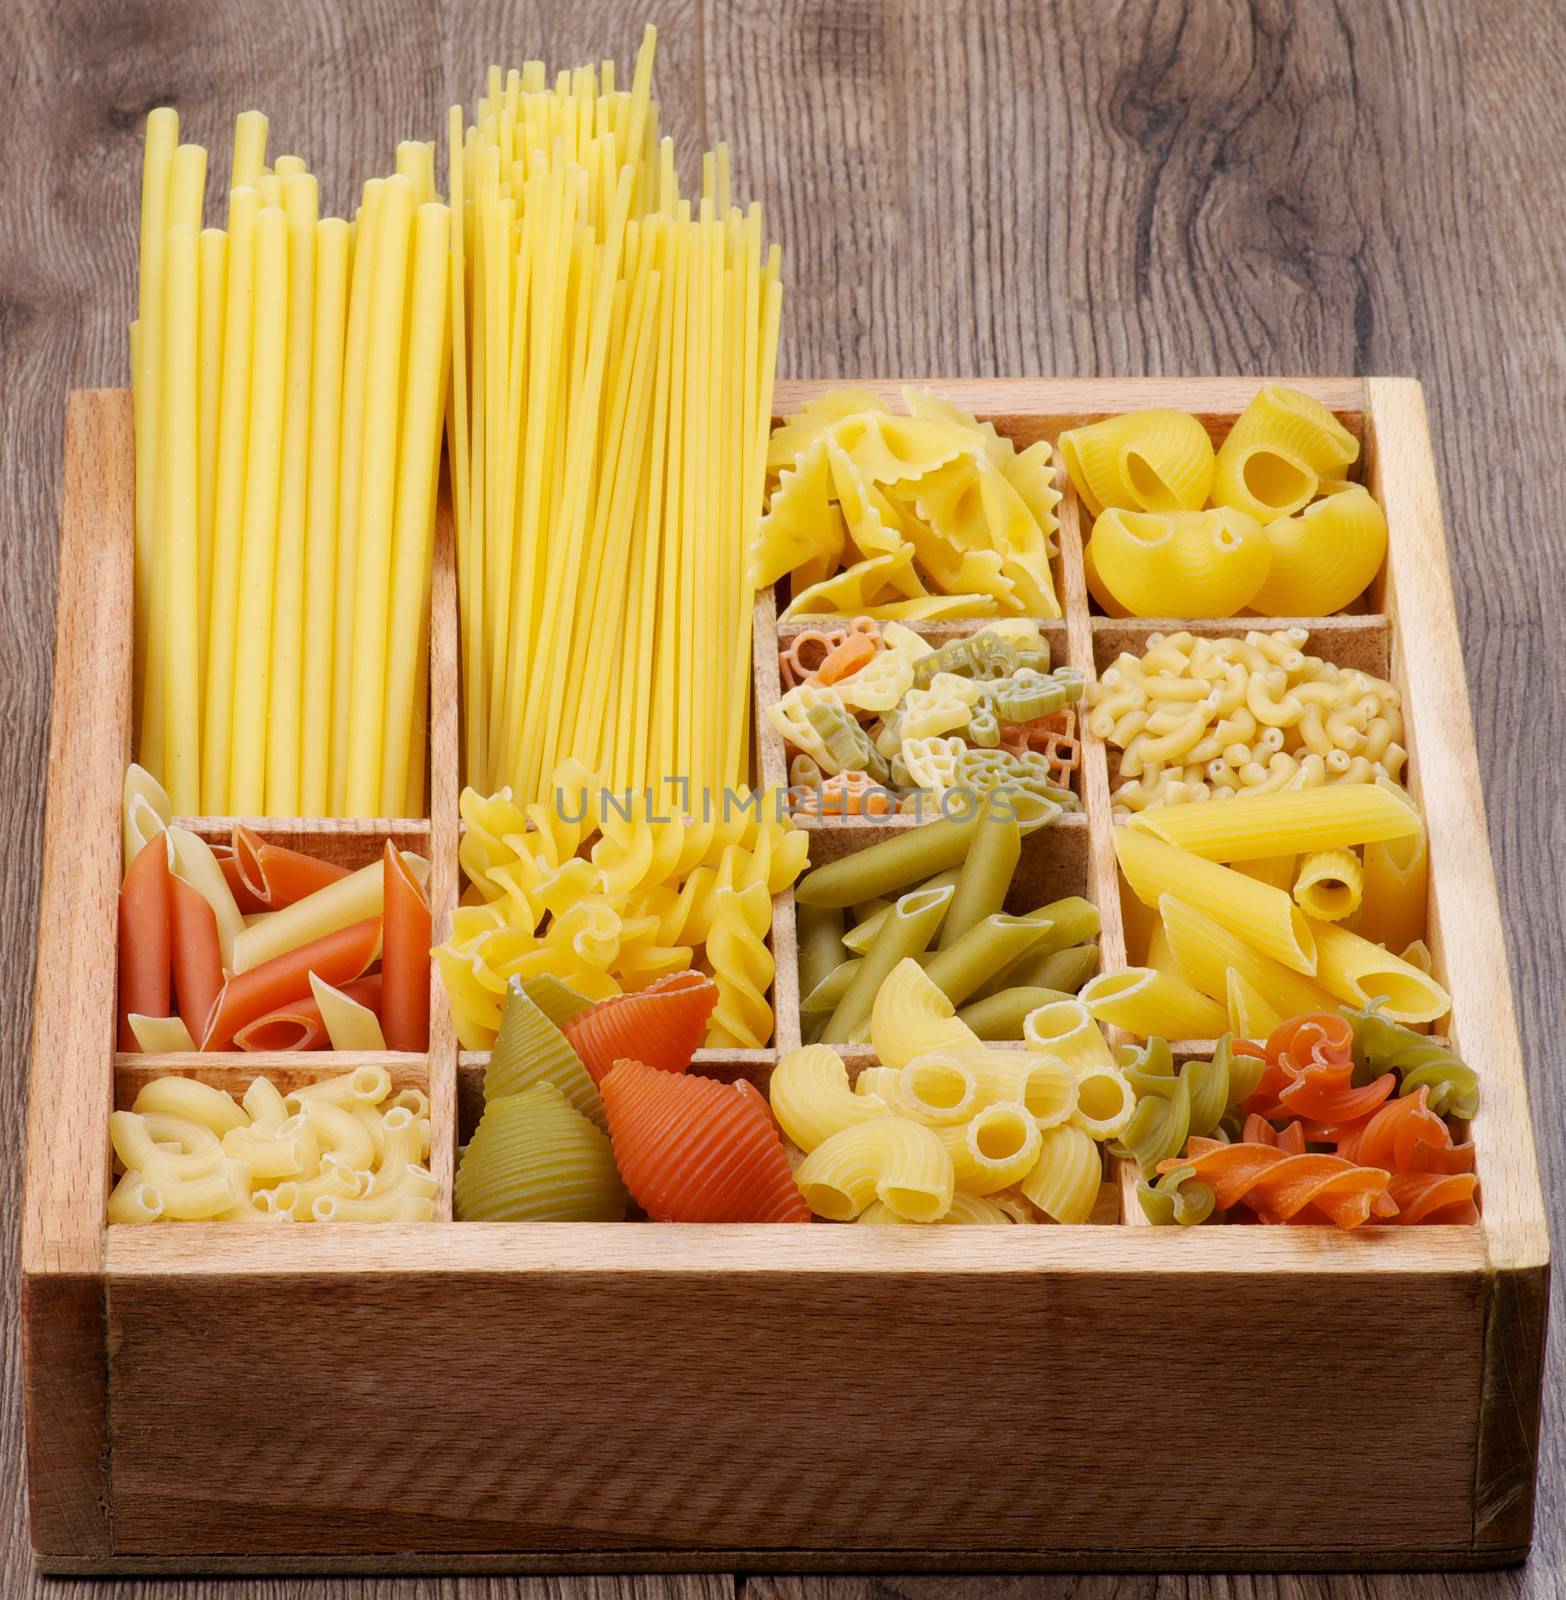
<point x="846" y="743"/>
<point x="1027" y="695"/>
<point x="907" y="931"/>
<point x="986" y="875"/>
<point x="820" y="932"/>
<point x="958" y="969"/>
<point x="554" y="999"/>
<point x="999" y="1016"/>
<point x="1073" y="922"/>
<point x="1173" y="1104"/>
<point x="980" y="771"/>
<point x="890" y="865"/>
<point x="530" y="1049"/>
<point x="863" y="934"/>
<point x="984" y="658"/>
<point x="1176" y="1197"/>
<point x="1381" y="1045"/>
<point x="534" y="1158"/>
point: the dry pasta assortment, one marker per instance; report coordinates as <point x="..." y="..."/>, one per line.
<point x="592" y="352"/>
<point x="1270" y="522"/>
<point x="878" y="720"/>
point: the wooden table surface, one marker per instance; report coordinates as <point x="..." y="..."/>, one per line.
<point x="961" y="187"/>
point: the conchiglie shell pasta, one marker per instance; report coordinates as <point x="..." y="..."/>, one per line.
<point x="1324" y="557"/>
<point x="1142" y="461"/>
<point x="1277" y="452"/>
<point x="1185" y="563"/>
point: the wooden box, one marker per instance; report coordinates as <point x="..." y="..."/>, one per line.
<point x="580" y="1397"/>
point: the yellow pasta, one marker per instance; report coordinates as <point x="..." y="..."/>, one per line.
<point x="349" y="1025"/>
<point x="812" y="1100"/>
<point x="1064" y="1182"/>
<point x="1065" y="1031"/>
<point x="1003" y="1142"/>
<point x="192" y="1100"/>
<point x="1395" y="890"/>
<point x="938" y="1088"/>
<point x="145" y="811"/>
<point x="1330" y="884"/>
<point x="160" y="1035"/>
<point x="1323" y="558"/>
<point x="1142" y="461"/>
<point x="1105" y="1101"/>
<point x="900" y="1163"/>
<point x="911" y="1017"/>
<point x="1264" y="917"/>
<point x="1149" y="1003"/>
<point x="1353" y="969"/>
<point x="1278" y="451"/>
<point x="1178" y="563"/>
<point x="1272" y="825"/>
<point x="1044" y="1085"/>
<point x="968" y="1209"/>
<point x="1208" y="952"/>
<point x="1251" y="1014"/>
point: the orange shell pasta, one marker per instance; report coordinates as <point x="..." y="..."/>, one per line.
<point x="144" y="917"/>
<point x="662" y="1025"/>
<point x="694" y="1150"/>
<point x="336" y="958"/>
<point x="405" y="957"/>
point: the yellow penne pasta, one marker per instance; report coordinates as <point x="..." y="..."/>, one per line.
<point x="349" y="1025"/>
<point x="1264" y="917"/>
<point x="1151" y="1004"/>
<point x="194" y="862"/>
<point x="145" y="808"/>
<point x="1353" y="969"/>
<point x="1251" y="1014"/>
<point x="160" y="1035"/>
<point x="1293" y="823"/>
<point x="1208" y="952"/>
<point x="1395" y="889"/>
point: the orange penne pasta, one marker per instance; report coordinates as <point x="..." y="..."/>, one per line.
<point x="267" y="877"/>
<point x="195" y="957"/>
<point x="299" y="1024"/>
<point x="337" y="958"/>
<point x="144" y="939"/>
<point x="405" y="957"/>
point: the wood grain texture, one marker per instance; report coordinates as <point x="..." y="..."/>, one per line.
<point x="962" y="187"/>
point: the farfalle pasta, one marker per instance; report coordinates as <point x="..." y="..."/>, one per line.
<point x="929" y="516"/>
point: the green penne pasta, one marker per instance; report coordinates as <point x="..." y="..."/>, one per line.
<point x="999" y="1016"/>
<point x="907" y="931"/>
<point x="960" y="968"/>
<point x="862" y="935"/>
<point x="890" y="865"/>
<point x="993" y="852"/>
<point x="820" y="933"/>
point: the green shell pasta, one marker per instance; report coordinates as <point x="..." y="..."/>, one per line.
<point x="535" y="1158"/>
<point x="529" y="1049"/>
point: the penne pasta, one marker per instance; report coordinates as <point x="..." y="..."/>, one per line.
<point x="1295" y="823"/>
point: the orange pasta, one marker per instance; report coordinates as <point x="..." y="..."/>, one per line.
<point x="144" y="938"/>
<point x="405" y="957"/>
<point x="845" y="659"/>
<point x="336" y="958"/>
<point x="1310" y="1072"/>
<point x="693" y="1150"/>
<point x="1433" y="1198"/>
<point x="1404" y="1135"/>
<point x="1283" y="1187"/>
<point x="661" y="1026"/>
<point x="299" y="1025"/>
<point x="196" y="960"/>
<point x="267" y="877"/>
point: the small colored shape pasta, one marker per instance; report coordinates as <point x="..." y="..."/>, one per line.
<point x="663" y="1025"/>
<point x="535" y="1158"/>
<point x="693" y="1150"/>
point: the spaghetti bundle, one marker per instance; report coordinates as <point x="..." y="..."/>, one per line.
<point x="289" y="377"/>
<point x="613" y="351"/>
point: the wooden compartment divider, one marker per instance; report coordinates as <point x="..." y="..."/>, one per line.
<point x="641" y="1397"/>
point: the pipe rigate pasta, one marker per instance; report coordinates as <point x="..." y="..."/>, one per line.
<point x="1280" y="448"/>
<point x="1064" y="1182"/>
<point x="1324" y="557"/>
<point x="1157" y="460"/>
<point x="812" y="1100"/>
<point x="911" y="1015"/>
<point x="1179" y="563"/>
<point x="898" y="1162"/>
